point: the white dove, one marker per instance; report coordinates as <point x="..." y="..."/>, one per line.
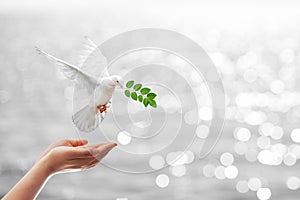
<point x="100" y="90"/>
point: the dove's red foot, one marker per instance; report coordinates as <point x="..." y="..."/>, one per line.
<point x="102" y="108"/>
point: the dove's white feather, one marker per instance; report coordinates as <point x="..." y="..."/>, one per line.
<point x="86" y="119"/>
<point x="101" y="91"/>
<point x="73" y="73"/>
<point x="92" y="60"/>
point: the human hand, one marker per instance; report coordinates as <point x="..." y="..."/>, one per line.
<point x="71" y="155"/>
<point x="64" y="155"/>
<point x="68" y="143"/>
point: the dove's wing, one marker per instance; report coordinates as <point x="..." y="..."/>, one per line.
<point x="73" y="73"/>
<point x="92" y="60"/>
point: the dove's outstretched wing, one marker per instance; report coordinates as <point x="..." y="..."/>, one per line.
<point x="73" y="73"/>
<point x="92" y="60"/>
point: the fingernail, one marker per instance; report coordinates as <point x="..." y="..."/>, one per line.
<point x="83" y="141"/>
<point x="111" y="144"/>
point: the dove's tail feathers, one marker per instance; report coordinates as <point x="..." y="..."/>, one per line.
<point x="91" y="42"/>
<point x="86" y="119"/>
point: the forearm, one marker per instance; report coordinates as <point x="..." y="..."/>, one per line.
<point x="64" y="155"/>
<point x="30" y="185"/>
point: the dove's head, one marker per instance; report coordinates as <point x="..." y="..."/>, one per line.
<point x="117" y="80"/>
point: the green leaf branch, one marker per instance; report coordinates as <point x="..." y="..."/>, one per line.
<point x="139" y="93"/>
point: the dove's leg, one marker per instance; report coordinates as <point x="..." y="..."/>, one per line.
<point x="101" y="116"/>
<point x="108" y="104"/>
<point x="102" y="108"/>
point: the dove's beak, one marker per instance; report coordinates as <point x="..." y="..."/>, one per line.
<point x="120" y="85"/>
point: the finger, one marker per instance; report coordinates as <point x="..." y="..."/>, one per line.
<point x="91" y="164"/>
<point x="92" y="151"/>
<point x="76" y="143"/>
<point x="94" y="147"/>
<point x="81" y="163"/>
<point x="85" y="151"/>
<point x="102" y="150"/>
<point x="95" y="161"/>
<point x="88" y="161"/>
<point x="80" y="152"/>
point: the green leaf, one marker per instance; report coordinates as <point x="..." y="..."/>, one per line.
<point x="152" y="103"/>
<point x="146" y="102"/>
<point x="137" y="87"/>
<point x="140" y="98"/>
<point x="151" y="95"/>
<point x="127" y="93"/>
<point x="143" y="95"/>
<point x="129" y="84"/>
<point x="145" y="91"/>
<point x="134" y="96"/>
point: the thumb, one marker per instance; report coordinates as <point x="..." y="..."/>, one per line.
<point x="76" y="143"/>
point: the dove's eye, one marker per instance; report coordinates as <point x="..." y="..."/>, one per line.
<point x="117" y="81"/>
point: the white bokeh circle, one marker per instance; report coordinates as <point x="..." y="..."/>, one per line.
<point x="182" y="67"/>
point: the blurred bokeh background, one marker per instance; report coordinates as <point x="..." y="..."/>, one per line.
<point x="254" y="45"/>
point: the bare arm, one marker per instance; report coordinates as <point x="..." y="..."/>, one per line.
<point x="62" y="156"/>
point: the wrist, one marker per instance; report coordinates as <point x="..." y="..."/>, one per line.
<point x="44" y="167"/>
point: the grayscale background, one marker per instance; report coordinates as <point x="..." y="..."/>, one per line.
<point x="255" y="47"/>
